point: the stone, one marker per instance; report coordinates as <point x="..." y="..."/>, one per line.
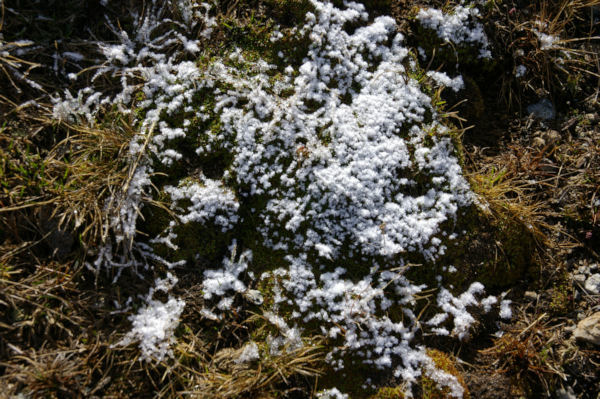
<point x="588" y="329"/>
<point x="580" y="278"/>
<point x="538" y="142"/>
<point x="551" y="137"/>
<point x="592" y="284"/>
<point x="544" y="109"/>
<point x="567" y="393"/>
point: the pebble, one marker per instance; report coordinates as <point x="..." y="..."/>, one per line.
<point x="530" y="295"/>
<point x="588" y="329"/>
<point x="551" y="137"/>
<point x="583" y="269"/>
<point x="592" y="284"/>
<point x="538" y="142"/>
<point x="567" y="393"/>
<point x="580" y="278"/>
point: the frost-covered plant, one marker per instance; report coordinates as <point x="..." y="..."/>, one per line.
<point x="149" y="61"/>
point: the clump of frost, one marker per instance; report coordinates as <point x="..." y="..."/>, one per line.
<point x="520" y="71"/>
<point x="210" y="202"/>
<point x="547" y="41"/>
<point x="443" y="79"/>
<point x="457" y="308"/>
<point x="505" y="310"/>
<point x="459" y="26"/>
<point x="332" y="393"/>
<point x="154" y="324"/>
<point x="249" y="354"/>
<point x="289" y="338"/>
<point x="219" y="282"/>
<point x="444" y="379"/>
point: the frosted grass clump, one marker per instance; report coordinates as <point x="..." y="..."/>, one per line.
<point x="155" y="322"/>
<point x="457" y="27"/>
<point x="149" y="61"/>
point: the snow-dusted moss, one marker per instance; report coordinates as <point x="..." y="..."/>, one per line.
<point x="340" y="162"/>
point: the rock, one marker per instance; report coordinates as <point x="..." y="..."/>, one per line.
<point x="530" y="295"/>
<point x="551" y="137"/>
<point x="591" y="117"/>
<point x="542" y="109"/>
<point x="538" y="142"/>
<point x="588" y="329"/>
<point x="592" y="284"/>
<point x="580" y="278"/>
<point x="567" y="393"/>
<point x="583" y="270"/>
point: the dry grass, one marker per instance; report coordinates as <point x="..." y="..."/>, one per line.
<point x="571" y="65"/>
<point x="532" y="352"/>
<point x="73" y="180"/>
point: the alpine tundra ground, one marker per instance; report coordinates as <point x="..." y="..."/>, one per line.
<point x="299" y="198"/>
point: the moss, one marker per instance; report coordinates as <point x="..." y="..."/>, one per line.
<point x="494" y="250"/>
<point x="562" y="296"/>
<point x="389" y="393"/>
<point x="445" y="362"/>
<point x="351" y="379"/>
<point x="289" y="12"/>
